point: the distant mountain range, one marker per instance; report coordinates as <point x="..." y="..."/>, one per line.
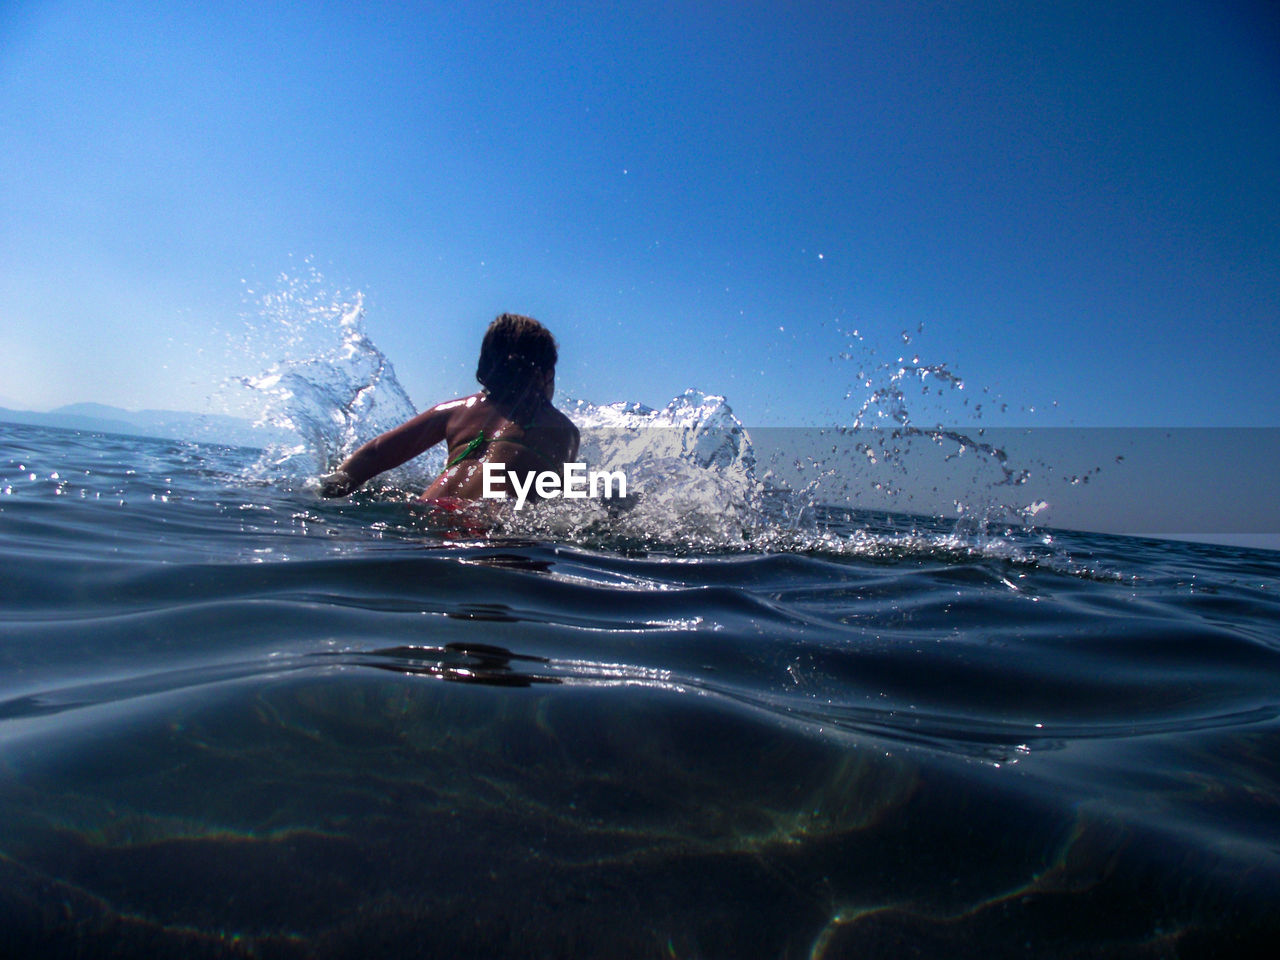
<point x="166" y="424"/>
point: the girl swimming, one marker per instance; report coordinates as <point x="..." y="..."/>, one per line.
<point x="511" y="421"/>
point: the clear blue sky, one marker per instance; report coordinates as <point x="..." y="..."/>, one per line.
<point x="1079" y="201"/>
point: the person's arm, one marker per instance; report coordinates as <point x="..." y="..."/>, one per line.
<point x="386" y="451"/>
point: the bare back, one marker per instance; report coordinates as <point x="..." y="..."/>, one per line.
<point x="479" y="430"/>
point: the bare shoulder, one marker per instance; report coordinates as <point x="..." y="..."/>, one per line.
<point x="564" y="424"/>
<point x="451" y="407"/>
<point x="460" y="412"/>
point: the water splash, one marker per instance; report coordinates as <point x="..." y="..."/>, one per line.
<point x="691" y="477"/>
<point x="886" y="449"/>
<point x="694" y="427"/>
<point x="330" y="388"/>
<point x="693" y="473"/>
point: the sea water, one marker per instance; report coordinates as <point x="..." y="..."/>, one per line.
<point x="240" y="721"/>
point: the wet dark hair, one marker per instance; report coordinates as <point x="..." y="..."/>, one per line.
<point x="515" y="350"/>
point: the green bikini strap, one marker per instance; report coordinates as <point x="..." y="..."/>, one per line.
<point x="469" y="449"/>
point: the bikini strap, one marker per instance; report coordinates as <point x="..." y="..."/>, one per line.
<point x="468" y="450"/>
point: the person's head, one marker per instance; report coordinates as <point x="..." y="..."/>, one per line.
<point x="517" y="358"/>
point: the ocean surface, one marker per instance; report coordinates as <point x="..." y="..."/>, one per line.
<point x="240" y="721"/>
